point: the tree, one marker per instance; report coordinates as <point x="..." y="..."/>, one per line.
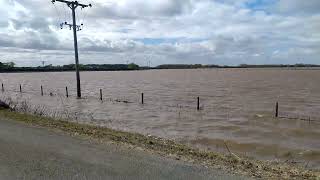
<point x="12" y="64"/>
<point x="9" y="64"/>
<point x="133" y="66"/>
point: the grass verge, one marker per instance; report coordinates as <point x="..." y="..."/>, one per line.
<point x="230" y="163"/>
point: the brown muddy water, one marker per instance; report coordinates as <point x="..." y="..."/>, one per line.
<point x="237" y="107"/>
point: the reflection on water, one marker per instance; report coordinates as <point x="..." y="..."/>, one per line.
<point x="237" y="106"/>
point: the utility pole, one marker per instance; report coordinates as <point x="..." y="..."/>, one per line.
<point x="43" y="63"/>
<point x="73" y="6"/>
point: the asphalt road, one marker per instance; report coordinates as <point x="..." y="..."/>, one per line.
<point x="37" y="153"/>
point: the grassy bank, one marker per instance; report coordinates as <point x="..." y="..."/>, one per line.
<point x="231" y="163"/>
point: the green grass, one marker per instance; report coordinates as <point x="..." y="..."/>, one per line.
<point x="230" y="163"/>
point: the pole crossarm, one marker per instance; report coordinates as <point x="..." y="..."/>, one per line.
<point x="75" y="3"/>
<point x="71" y="25"/>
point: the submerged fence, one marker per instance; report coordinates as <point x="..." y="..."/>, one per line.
<point x="197" y="102"/>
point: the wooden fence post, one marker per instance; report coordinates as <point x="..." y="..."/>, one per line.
<point x="142" y="98"/>
<point x="101" y="94"/>
<point x="67" y="93"/>
<point x="41" y="90"/>
<point x="20" y="88"/>
<point x="2" y="87"/>
<point x="198" y="103"/>
<point x="277" y="110"/>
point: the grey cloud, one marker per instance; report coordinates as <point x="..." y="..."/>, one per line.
<point x="226" y="33"/>
<point x="6" y="41"/>
<point x="140" y="9"/>
<point x="4" y="24"/>
<point x="37" y="7"/>
<point x="298" y="6"/>
<point x="33" y="32"/>
<point x="31" y="40"/>
<point x="37" y="23"/>
<point x="109" y="46"/>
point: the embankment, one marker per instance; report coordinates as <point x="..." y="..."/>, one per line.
<point x="230" y="163"/>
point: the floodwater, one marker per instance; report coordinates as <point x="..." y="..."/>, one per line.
<point x="237" y="106"/>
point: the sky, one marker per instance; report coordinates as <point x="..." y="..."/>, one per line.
<point x="223" y="32"/>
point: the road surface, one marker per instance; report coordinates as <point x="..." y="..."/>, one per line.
<point x="28" y="152"/>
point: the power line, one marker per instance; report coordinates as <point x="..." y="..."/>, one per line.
<point x="73" y="6"/>
<point x="57" y="12"/>
<point x="77" y="17"/>
<point x="84" y="16"/>
<point x="65" y="13"/>
<point x="81" y="15"/>
<point x="86" y="12"/>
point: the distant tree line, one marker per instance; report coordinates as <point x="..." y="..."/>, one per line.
<point x="179" y="66"/>
<point x="278" y="65"/>
<point x="10" y="67"/>
<point x="197" y="66"/>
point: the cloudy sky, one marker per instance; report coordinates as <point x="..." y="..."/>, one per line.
<point x="163" y="31"/>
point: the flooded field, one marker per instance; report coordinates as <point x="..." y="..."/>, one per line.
<point x="237" y="106"/>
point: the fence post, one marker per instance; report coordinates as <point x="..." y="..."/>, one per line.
<point x="101" y="94"/>
<point x="41" y="90"/>
<point x="2" y="88"/>
<point x="198" y="103"/>
<point x="309" y="120"/>
<point x="67" y="94"/>
<point x="277" y="110"/>
<point x="142" y="98"/>
<point x="20" y="88"/>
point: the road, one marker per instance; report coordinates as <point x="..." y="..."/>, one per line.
<point x="28" y="152"/>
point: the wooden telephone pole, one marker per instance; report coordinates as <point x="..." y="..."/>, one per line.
<point x="73" y="6"/>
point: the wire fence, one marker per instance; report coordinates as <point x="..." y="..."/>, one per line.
<point x="141" y="99"/>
